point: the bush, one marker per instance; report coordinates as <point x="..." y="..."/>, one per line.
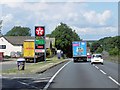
<point x="99" y="50"/>
<point x="64" y="56"/>
<point x="114" y="52"/>
<point x="6" y="56"/>
<point x="48" y="53"/>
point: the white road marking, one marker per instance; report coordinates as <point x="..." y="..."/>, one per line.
<point x="29" y="77"/>
<point x="27" y="84"/>
<point x="114" y="80"/>
<point x="50" y="81"/>
<point x="45" y="78"/>
<point x="3" y="77"/>
<point x="21" y="77"/>
<point x="39" y="81"/>
<point x="23" y="83"/>
<point x="108" y="76"/>
<point x="97" y="67"/>
<point x="102" y="71"/>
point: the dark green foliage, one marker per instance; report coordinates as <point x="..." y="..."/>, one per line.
<point x="114" y="52"/>
<point x="88" y="45"/>
<point x="19" y="31"/>
<point x="109" y="44"/>
<point x="64" y="36"/>
<point x="48" y="35"/>
<point x="94" y="47"/>
<point x="48" y="53"/>
<point x="99" y="50"/>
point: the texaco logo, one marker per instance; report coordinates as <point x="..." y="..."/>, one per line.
<point x="39" y="31"/>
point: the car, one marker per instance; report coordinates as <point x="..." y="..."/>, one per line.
<point x="96" y="58"/>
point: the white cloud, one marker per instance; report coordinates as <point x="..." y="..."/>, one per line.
<point x="6" y="1"/>
<point x="12" y="3"/>
<point x="104" y="17"/>
<point x="0" y="10"/>
<point x="95" y="31"/>
<point x="97" y="18"/>
<point x="91" y="33"/>
<point x="51" y="14"/>
<point x="68" y="12"/>
<point x="35" y="6"/>
<point x="6" y="19"/>
<point x="48" y="12"/>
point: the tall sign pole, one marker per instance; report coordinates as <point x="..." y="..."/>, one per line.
<point x="40" y="41"/>
<point x="45" y="46"/>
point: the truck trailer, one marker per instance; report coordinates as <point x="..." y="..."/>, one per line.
<point x="79" y="49"/>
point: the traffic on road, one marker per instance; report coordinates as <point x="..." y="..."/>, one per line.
<point x="59" y="45"/>
<point x="68" y="75"/>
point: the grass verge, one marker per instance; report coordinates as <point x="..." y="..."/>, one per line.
<point x="36" y="67"/>
<point x="115" y="59"/>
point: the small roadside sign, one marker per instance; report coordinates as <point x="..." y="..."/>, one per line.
<point x="40" y="50"/>
<point x="39" y="41"/>
<point x="39" y="46"/>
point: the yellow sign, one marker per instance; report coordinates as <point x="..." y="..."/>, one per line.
<point x="28" y="49"/>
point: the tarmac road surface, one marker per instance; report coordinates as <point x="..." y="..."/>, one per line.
<point x="67" y="75"/>
<point x="85" y="75"/>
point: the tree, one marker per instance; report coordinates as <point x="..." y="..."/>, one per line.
<point x="48" y="35"/>
<point x="19" y="31"/>
<point x="94" y="47"/>
<point x="64" y="36"/>
<point x="109" y="44"/>
<point x="88" y="44"/>
<point x="99" y="50"/>
<point x="114" y="52"/>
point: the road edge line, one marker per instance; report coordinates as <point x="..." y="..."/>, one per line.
<point x="27" y="84"/>
<point x="50" y="81"/>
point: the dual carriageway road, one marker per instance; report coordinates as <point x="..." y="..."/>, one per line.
<point x="68" y="75"/>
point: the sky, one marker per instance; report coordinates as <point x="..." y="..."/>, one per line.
<point x="91" y="20"/>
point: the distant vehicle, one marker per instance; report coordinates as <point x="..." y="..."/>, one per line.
<point x="89" y="57"/>
<point x="79" y="51"/>
<point x="96" y="58"/>
<point x="15" y="54"/>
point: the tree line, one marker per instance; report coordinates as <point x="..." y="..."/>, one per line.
<point x="63" y="35"/>
<point x="109" y="44"/>
<point x="19" y="31"/>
